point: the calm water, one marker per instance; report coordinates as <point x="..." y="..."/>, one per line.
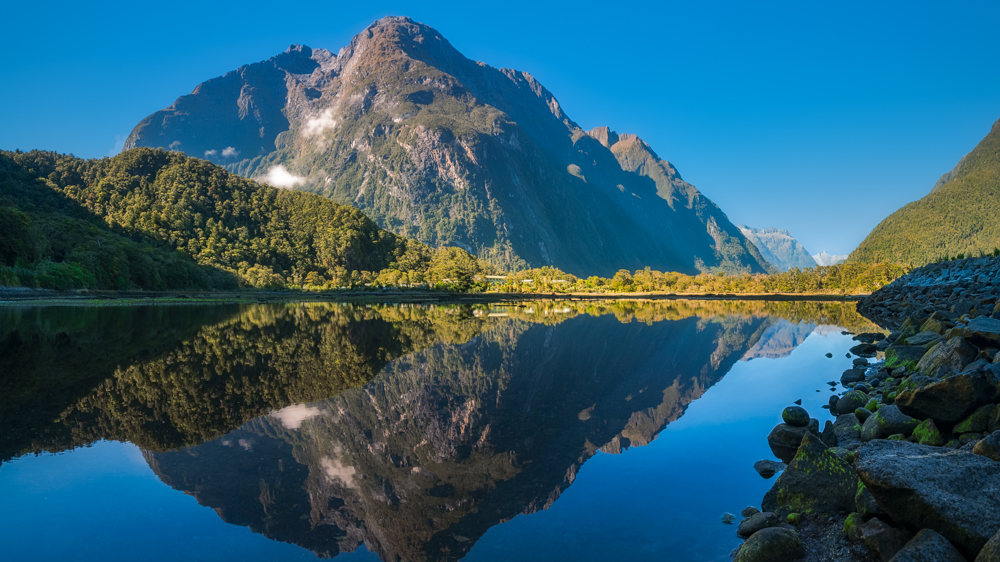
<point x="286" y="432"/>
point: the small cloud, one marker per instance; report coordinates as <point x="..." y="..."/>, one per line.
<point x="119" y="145"/>
<point x="212" y="152"/>
<point x="174" y="145"/>
<point x="279" y="176"/>
<point x="230" y="152"/>
<point x="317" y="125"/>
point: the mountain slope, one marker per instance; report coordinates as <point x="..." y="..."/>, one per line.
<point x="446" y="150"/>
<point x="779" y="248"/>
<point x="961" y="215"/>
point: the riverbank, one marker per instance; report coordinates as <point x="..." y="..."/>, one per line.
<point x="909" y="466"/>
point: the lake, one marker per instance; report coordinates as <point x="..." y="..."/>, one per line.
<point x="530" y="431"/>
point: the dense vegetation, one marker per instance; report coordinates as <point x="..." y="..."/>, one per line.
<point x="960" y="216"/>
<point x="836" y="279"/>
<point x="151" y="219"/>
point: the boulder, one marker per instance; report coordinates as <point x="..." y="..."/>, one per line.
<point x="932" y="324"/>
<point x="748" y="511"/>
<point x="990" y="552"/>
<point x="795" y="416"/>
<point x="928" y="546"/>
<point x="852" y="375"/>
<point x="946" y="400"/>
<point x="756" y="522"/>
<point x="927" y="433"/>
<point x="882" y="540"/>
<point x="922" y="340"/>
<point x="784" y="440"/>
<point x="774" y="544"/>
<point x="954" y="493"/>
<point x="977" y="422"/>
<point x="989" y="447"/>
<point x="848" y="431"/>
<point x="981" y="331"/>
<point x="864" y="350"/>
<point x="946" y="357"/>
<point x="865" y="504"/>
<point x="907" y="356"/>
<point x="850" y="401"/>
<point x="817" y="480"/>
<point x="768" y="468"/>
<point x="886" y="421"/>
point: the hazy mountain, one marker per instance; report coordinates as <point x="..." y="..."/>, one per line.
<point x="825" y="258"/>
<point x="437" y="147"/>
<point x="778" y="247"/>
<point x="961" y="214"/>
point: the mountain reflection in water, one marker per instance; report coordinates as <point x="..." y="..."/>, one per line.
<point x="411" y="429"/>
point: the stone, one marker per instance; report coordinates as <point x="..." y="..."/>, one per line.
<point x="833" y="402"/>
<point x="869" y="337"/>
<point x="816" y="481"/>
<point x="932" y="324"/>
<point x="951" y="492"/>
<point x="948" y="400"/>
<point x="990" y="552"/>
<point x="948" y="356"/>
<point x="866" y="505"/>
<point x="928" y="546"/>
<point x="829" y="436"/>
<point x="970" y="439"/>
<point x="728" y="518"/>
<point x="882" y="539"/>
<point x="977" y="422"/>
<point x="864" y="350"/>
<point x="850" y="401"/>
<point x="829" y="355"/>
<point x="851" y="525"/>
<point x="768" y="468"/>
<point x="756" y="522"/>
<point x="860" y="362"/>
<point x="852" y="375"/>
<point x="904" y="356"/>
<point x="784" y="440"/>
<point x="989" y="447"/>
<point x="795" y="416"/>
<point x="848" y="431"/>
<point x="981" y="331"/>
<point x="774" y="544"/>
<point x="923" y="339"/>
<point x="927" y="433"/>
<point x="813" y="425"/>
<point x="748" y="511"/>
<point x="886" y="421"/>
<point x="862" y="414"/>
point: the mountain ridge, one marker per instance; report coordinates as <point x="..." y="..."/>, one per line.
<point x="779" y="247"/>
<point x="450" y="151"/>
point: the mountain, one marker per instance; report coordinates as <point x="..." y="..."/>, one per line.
<point x="961" y="214"/>
<point x="778" y="247"/>
<point x="825" y="258"/>
<point x="152" y="219"/>
<point x="449" y="151"/>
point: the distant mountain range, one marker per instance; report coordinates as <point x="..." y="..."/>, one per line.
<point x="449" y="151"/>
<point x="824" y="258"/>
<point x="961" y="214"/>
<point x="778" y="247"/>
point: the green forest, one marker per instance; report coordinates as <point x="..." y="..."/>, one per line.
<point x="155" y="220"/>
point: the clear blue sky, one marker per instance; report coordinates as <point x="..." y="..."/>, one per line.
<point x="821" y="118"/>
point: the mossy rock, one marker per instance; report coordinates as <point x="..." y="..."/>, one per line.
<point x="927" y="433"/>
<point x="977" y="422"/>
<point x="775" y="544"/>
<point x="817" y="480"/>
<point x="851" y="525"/>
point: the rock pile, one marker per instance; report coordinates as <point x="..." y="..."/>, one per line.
<point x="910" y="468"/>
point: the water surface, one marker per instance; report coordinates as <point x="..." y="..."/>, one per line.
<point x="399" y="432"/>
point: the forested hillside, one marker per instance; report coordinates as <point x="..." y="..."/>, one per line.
<point x="961" y="215"/>
<point x="151" y="219"/>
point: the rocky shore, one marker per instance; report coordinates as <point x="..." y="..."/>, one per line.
<point x="909" y="467"/>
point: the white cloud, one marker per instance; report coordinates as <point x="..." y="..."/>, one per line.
<point x="317" y="125"/>
<point x="174" y="145"/>
<point x="212" y="152"/>
<point x="279" y="176"/>
<point x="293" y="416"/>
<point x="119" y="145"/>
<point x="230" y="152"/>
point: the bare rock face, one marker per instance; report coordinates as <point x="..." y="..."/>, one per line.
<point x="954" y="493"/>
<point x="437" y="147"/>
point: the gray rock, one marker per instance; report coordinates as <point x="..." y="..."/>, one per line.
<point x="860" y="362"/>
<point x="866" y="506"/>
<point x="923" y="339"/>
<point x="850" y="401"/>
<point x="862" y="415"/>
<point x="881" y="539"/>
<point x="768" y="468"/>
<point x="864" y="350"/>
<point x="829" y="436"/>
<point x="949" y="399"/>
<point x="795" y="416"/>
<point x="848" y="431"/>
<point x="784" y="440"/>
<point x="990" y="552"/>
<point x="977" y="422"/>
<point x="888" y="420"/>
<point x="928" y="546"/>
<point x="816" y="481"/>
<point x="852" y="375"/>
<point x="748" y="511"/>
<point x="756" y="522"/>
<point x="946" y="357"/>
<point x="951" y="492"/>
<point x="774" y="544"/>
<point x="981" y="330"/>
<point x="989" y="447"/>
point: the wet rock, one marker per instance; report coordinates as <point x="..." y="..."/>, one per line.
<point x="848" y="431"/>
<point x="851" y="401"/>
<point x="813" y="425"/>
<point x="784" y="440"/>
<point x="927" y="433"/>
<point x="882" y="540"/>
<point x="928" y="546"/>
<point x="864" y="350"/>
<point x="888" y="420"/>
<point x="756" y="522"/>
<point x="946" y="357"/>
<point x="829" y="355"/>
<point x="860" y="362"/>
<point x="748" y="511"/>
<point x="728" y="518"/>
<point x="952" y="492"/>
<point x="768" y="468"/>
<point x="990" y="552"/>
<point x="869" y="337"/>
<point x="977" y="422"/>
<point x="989" y="447"/>
<point x="833" y="403"/>
<point x="816" y="481"/>
<point x="829" y="436"/>
<point x="947" y="400"/>
<point x="852" y="375"/>
<point x="795" y="416"/>
<point x="774" y="544"/>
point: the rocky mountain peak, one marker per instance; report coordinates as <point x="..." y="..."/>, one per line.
<point x="604" y="135"/>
